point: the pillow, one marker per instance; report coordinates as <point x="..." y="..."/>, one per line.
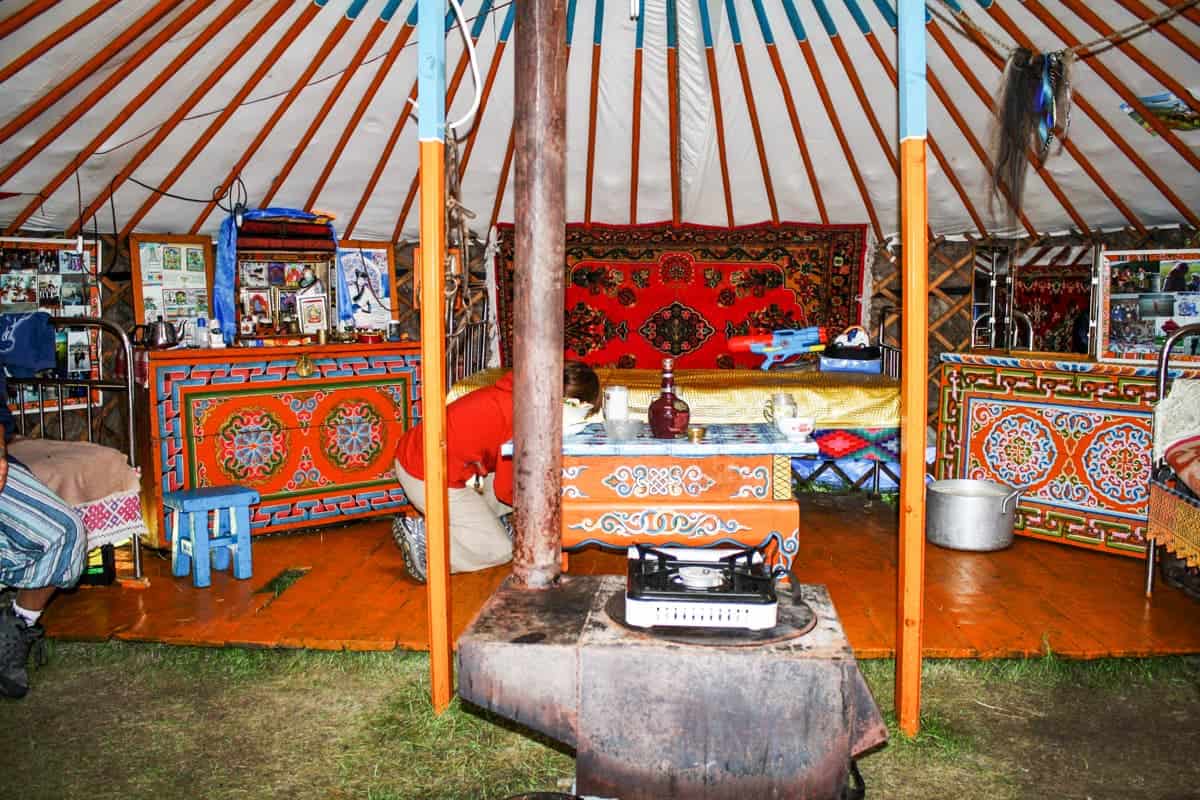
<point x="1184" y="457"/>
<point x="78" y="472"/>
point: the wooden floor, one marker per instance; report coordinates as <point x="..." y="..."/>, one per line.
<point x="355" y="595"/>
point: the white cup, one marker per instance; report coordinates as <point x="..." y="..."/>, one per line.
<point x="795" y="428"/>
<point x="780" y="405"/>
<point x="616" y="402"/>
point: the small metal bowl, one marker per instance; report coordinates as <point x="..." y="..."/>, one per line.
<point x="696" y="434"/>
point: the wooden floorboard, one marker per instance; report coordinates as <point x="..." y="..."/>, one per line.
<point x="354" y="594"/>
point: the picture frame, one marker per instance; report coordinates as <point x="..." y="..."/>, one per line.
<point x="257" y="303"/>
<point x="161" y="262"/>
<point x="1145" y="296"/>
<point x="285" y="302"/>
<point x="252" y="275"/>
<point x="313" y="313"/>
<point x="370" y="268"/>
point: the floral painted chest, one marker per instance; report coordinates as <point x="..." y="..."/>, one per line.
<point x="312" y="429"/>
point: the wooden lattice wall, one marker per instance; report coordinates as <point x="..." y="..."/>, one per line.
<point x="950" y="274"/>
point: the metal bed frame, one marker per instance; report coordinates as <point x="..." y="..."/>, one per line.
<point x="58" y="386"/>
<point x="1164" y="359"/>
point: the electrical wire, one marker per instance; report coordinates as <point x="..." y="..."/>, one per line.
<point x="467" y="43"/>
<point x="470" y="48"/>
<point x="217" y="196"/>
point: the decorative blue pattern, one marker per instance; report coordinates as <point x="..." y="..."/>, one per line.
<point x="789" y="545"/>
<point x="1119" y="458"/>
<point x="640" y="480"/>
<point x="1020" y="450"/>
<point x="658" y="522"/>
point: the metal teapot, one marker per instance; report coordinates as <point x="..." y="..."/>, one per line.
<point x="158" y="335"/>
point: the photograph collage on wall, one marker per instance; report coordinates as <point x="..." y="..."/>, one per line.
<point x="1150" y="295"/>
<point x="174" y="281"/>
<point x="49" y="275"/>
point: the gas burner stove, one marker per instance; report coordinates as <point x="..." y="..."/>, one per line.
<point x="699" y="588"/>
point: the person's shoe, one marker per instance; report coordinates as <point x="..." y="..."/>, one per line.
<point x="1177" y="574"/>
<point x="409" y="534"/>
<point x="16" y="640"/>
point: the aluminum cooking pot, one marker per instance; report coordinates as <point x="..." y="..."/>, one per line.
<point x="970" y="514"/>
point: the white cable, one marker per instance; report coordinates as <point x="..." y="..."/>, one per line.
<point x="462" y="27"/>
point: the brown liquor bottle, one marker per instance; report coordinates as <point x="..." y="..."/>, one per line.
<point x="669" y="414"/>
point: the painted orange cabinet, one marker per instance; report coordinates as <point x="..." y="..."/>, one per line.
<point x="735" y="488"/>
<point x="316" y="442"/>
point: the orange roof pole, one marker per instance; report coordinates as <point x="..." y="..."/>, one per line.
<point x="87" y="69"/>
<point x="70" y="28"/>
<point x="431" y="134"/>
<point x="914" y="213"/>
<point x="19" y="18"/>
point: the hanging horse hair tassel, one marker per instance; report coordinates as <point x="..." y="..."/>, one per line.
<point x="1034" y="109"/>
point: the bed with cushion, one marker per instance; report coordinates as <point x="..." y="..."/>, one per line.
<point x="637" y="294"/>
<point x="64" y="448"/>
<point x="1174" y="514"/>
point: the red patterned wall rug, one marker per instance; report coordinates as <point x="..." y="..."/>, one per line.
<point x="636" y="294"/>
<point x="1052" y="299"/>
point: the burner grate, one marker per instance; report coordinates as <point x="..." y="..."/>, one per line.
<point x="707" y="588"/>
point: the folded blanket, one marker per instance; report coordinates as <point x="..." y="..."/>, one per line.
<point x="78" y="472"/>
<point x="26" y="343"/>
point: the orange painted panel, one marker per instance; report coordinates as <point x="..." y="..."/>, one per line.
<point x="691" y="524"/>
<point x="666" y="478"/>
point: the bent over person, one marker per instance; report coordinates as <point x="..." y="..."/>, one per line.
<point x="42" y="549"/>
<point x="480" y="481"/>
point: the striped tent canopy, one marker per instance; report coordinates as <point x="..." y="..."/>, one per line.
<point x="134" y="114"/>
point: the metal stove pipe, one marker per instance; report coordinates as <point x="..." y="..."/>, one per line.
<point x="539" y="203"/>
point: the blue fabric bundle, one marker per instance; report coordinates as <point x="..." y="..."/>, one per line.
<point x="26" y="343"/>
<point x="224" y="310"/>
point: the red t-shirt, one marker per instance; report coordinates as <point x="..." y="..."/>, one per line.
<point x="476" y="425"/>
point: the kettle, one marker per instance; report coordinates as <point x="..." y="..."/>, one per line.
<point x="158" y="335"/>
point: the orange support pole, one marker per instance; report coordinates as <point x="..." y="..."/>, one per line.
<point x="433" y="417"/>
<point x="431" y="41"/>
<point x="914" y="214"/>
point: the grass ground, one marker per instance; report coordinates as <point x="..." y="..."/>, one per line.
<point x="127" y="721"/>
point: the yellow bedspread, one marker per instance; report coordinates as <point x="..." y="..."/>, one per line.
<point x="833" y="399"/>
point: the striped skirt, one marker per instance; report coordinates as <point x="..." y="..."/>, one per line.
<point x="42" y="540"/>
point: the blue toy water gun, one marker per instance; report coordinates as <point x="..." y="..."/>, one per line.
<point x="781" y="345"/>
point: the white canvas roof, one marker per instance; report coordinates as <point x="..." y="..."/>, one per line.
<point x="778" y="109"/>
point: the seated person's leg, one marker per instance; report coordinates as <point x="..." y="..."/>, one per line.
<point x="477" y="538"/>
<point x="42" y="547"/>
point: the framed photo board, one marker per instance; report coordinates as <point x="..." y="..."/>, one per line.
<point x="1147" y="295"/>
<point x="370" y="271"/>
<point x="50" y="275"/>
<point x="172" y="277"/>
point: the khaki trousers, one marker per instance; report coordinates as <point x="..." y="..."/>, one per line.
<point x="477" y="539"/>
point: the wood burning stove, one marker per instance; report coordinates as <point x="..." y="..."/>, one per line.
<point x="675" y="712"/>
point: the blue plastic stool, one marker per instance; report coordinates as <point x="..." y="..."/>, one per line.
<point x="197" y="538"/>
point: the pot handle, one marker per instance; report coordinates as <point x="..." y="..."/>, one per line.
<point x="1012" y="496"/>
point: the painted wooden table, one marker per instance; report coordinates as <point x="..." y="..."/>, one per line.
<point x="735" y="487"/>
